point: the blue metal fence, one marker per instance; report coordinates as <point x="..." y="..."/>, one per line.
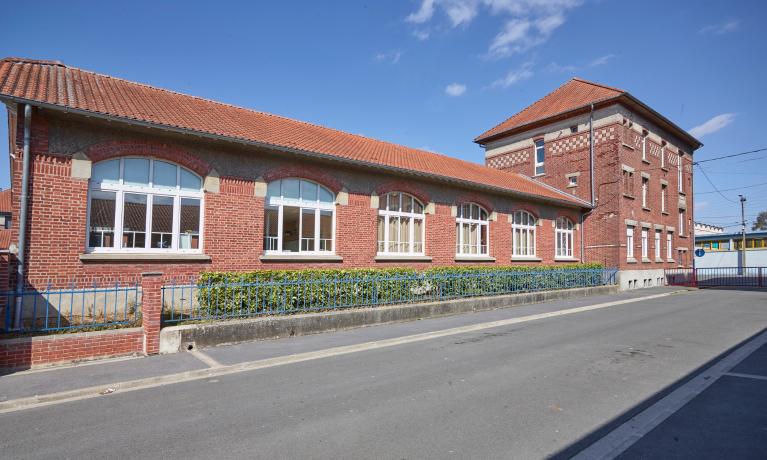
<point x="752" y="277"/>
<point x="191" y="301"/>
<point x="56" y="308"/>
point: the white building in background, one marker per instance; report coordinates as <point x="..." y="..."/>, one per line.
<point x="706" y="229"/>
<point x="724" y="249"/>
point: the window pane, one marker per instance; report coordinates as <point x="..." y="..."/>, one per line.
<point x="290" y="215"/>
<point x="474" y="212"/>
<point x="106" y="172"/>
<point x="407" y="203"/>
<point x="102" y="226"/>
<point x="162" y="222"/>
<point x="189" y="224"/>
<point x="164" y="174"/>
<point x="393" y="234"/>
<point x="474" y="238"/>
<point x="483" y="248"/>
<point x="273" y="189"/>
<point x="325" y="195"/>
<point x="270" y="229"/>
<point x="307" y="229"/>
<point x="308" y="191"/>
<point x="418" y="235"/>
<point x="134" y="221"/>
<point x="326" y="230"/>
<point x="404" y="235"/>
<point x="290" y="188"/>
<point x="381" y="233"/>
<point x="394" y="202"/>
<point x="190" y="181"/>
<point x="417" y="207"/>
<point x="136" y="171"/>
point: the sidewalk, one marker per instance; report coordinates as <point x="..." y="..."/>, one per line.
<point x="54" y="380"/>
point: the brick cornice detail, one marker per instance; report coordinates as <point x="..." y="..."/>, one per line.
<point x="115" y="149"/>
<point x="301" y="172"/>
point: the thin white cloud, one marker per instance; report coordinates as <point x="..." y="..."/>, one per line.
<point x="528" y="23"/>
<point x="421" y="34"/>
<point x="455" y="89"/>
<point x="730" y="25"/>
<point x="514" y="76"/>
<point x="602" y="60"/>
<point x="713" y="125"/>
<point x="424" y="13"/>
<point x="391" y="57"/>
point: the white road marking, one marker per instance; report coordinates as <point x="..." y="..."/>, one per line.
<point x="19" y="404"/>
<point x="620" y="439"/>
<point x="206" y="359"/>
<point x="746" y="376"/>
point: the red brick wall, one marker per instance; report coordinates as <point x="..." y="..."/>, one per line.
<point x="26" y="352"/>
<point x="233" y="217"/>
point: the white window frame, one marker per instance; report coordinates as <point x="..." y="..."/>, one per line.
<point x="657" y="244"/>
<point x="662" y="156"/>
<point x="564" y="238"/>
<point x="120" y="188"/>
<point x="278" y="203"/>
<point x="462" y="248"/>
<point x="663" y="197"/>
<point x="411" y="216"/>
<point x="540" y="145"/>
<point x="645" y="187"/>
<point x="681" y="221"/>
<point x="644" y="146"/>
<point x="679" y="175"/>
<point x="629" y="242"/>
<point x="669" y="244"/>
<point x="645" y="243"/>
<point x="519" y="230"/>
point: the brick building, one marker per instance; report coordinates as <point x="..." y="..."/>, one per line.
<point x="126" y="178"/>
<point x="642" y="189"/>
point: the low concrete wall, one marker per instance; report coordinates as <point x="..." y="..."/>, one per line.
<point x="641" y="278"/>
<point x="177" y="338"/>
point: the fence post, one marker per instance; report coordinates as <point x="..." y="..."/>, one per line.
<point x="151" y="310"/>
<point x="761" y="281"/>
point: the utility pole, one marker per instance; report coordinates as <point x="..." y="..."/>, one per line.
<point x="743" y="231"/>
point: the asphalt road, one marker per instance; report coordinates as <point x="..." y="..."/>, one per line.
<point x="530" y="390"/>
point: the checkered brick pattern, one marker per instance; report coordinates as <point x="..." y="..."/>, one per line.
<point x="508" y="160"/>
<point x="582" y="141"/>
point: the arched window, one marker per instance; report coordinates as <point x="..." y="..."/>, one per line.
<point x="564" y="237"/>
<point x="471" y="230"/>
<point x="298" y="217"/>
<point x="144" y="205"/>
<point x="523" y="234"/>
<point x="400" y="224"/>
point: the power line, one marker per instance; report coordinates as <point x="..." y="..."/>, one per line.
<point x="712" y="184"/>
<point x="730" y="156"/>
<point x="730" y="189"/>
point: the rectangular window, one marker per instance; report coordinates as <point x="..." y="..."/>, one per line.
<point x="290" y="223"/>
<point x="628" y="182"/>
<point x="629" y="242"/>
<point x="679" y="175"/>
<point x="134" y="221"/>
<point x="271" y="230"/>
<point x="307" y="228"/>
<point x="540" y="157"/>
<point x="657" y="245"/>
<point x="572" y="181"/>
<point x="681" y="221"/>
<point x="663" y="193"/>
<point x="669" y="240"/>
<point x="645" y="187"/>
<point x="663" y="156"/>
<point x="644" y="146"/>
<point x="102" y="229"/>
<point x="189" y="224"/>
<point x="644" y="244"/>
<point x="162" y="222"/>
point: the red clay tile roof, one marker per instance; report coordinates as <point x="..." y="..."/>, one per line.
<point x="574" y="94"/>
<point x="56" y="85"/>
<point x="5" y="201"/>
<point x="5" y="238"/>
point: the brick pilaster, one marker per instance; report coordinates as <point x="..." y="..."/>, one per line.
<point x="151" y="310"/>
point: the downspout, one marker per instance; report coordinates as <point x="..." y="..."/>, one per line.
<point x="591" y="180"/>
<point x="20" y="255"/>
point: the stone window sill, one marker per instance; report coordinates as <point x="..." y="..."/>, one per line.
<point x="631" y="260"/>
<point x="646" y="260"/>
<point x="671" y="261"/>
<point x="626" y="195"/>
<point x="664" y="168"/>
<point x="682" y="236"/>
<point x="627" y="146"/>
<point x="462" y="258"/>
<point x="645" y="208"/>
<point x="646" y="161"/>
<point x="665" y="213"/>
<point x="402" y="258"/>
<point x="525" y="259"/>
<point x="150" y="257"/>
<point x="565" y="259"/>
<point x="659" y="261"/>
<point x="300" y="258"/>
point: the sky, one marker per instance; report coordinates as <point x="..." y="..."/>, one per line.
<point x="434" y="74"/>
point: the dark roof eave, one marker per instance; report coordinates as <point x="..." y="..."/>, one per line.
<point x="466" y="183"/>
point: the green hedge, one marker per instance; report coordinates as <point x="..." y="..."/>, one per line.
<point x="223" y="294"/>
